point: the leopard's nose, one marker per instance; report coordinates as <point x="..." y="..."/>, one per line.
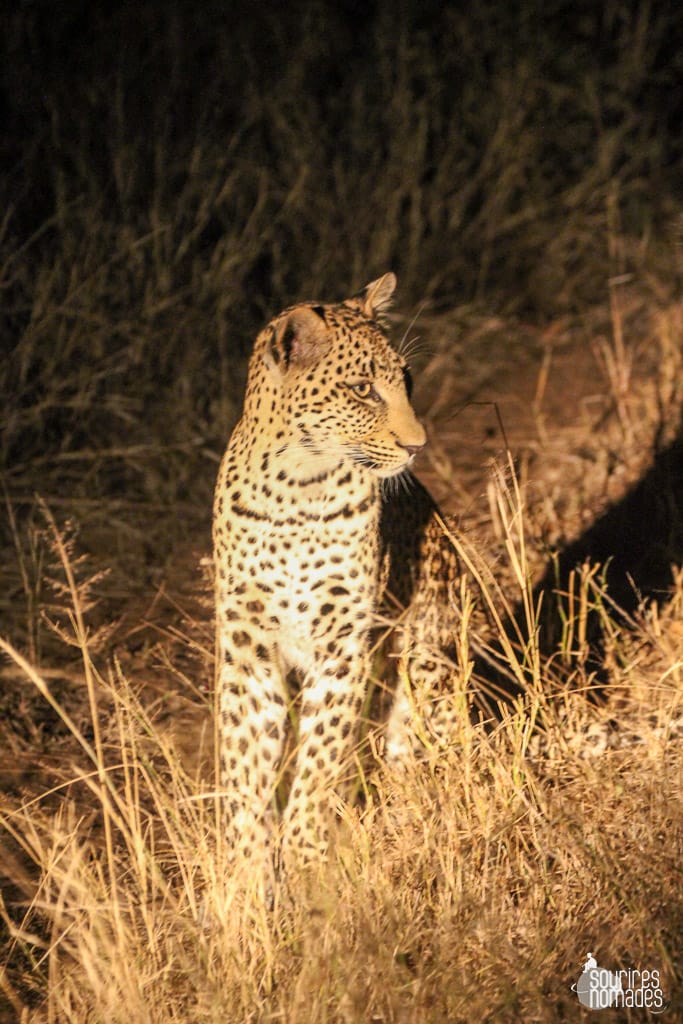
<point x="412" y="449"/>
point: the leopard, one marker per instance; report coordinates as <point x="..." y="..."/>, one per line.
<point x="322" y="534"/>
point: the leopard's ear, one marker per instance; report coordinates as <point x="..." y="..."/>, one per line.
<point x="377" y="296"/>
<point x="300" y="338"/>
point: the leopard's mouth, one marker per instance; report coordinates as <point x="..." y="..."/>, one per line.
<point x="386" y="473"/>
<point x="380" y="469"/>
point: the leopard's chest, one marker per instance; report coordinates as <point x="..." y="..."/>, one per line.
<point x="317" y="578"/>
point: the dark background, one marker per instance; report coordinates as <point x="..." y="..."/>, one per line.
<point x="173" y="174"/>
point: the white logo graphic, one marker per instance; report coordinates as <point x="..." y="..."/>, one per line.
<point x="598" y="989"/>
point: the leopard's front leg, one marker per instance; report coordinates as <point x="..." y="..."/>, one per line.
<point x="332" y="696"/>
<point x="252" y="725"/>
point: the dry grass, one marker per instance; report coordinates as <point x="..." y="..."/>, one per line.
<point x="468" y="887"/>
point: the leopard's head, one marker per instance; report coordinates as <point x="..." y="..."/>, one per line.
<point x="332" y="387"/>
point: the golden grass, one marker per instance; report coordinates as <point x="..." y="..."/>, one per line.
<point x="471" y="886"/>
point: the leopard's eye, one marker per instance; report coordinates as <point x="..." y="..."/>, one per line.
<point x="364" y="389"/>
